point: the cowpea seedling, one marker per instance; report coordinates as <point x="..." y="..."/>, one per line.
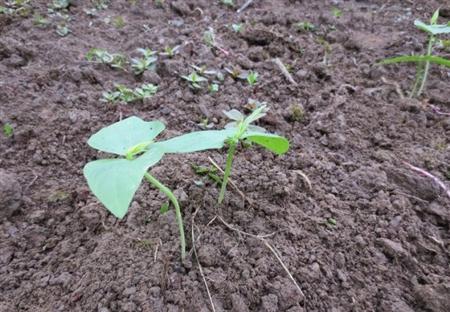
<point x="115" y="60"/>
<point x="148" y="61"/>
<point x="423" y="62"/>
<point x="244" y="130"/>
<point x="114" y="181"/>
<point x="252" y="78"/>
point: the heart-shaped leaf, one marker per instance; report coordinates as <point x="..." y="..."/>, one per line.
<point x="115" y="181"/>
<point x="274" y="143"/>
<point x="119" y="137"/>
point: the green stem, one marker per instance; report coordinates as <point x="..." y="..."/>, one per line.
<point x="174" y="201"/>
<point x="226" y="175"/>
<point x="427" y="66"/>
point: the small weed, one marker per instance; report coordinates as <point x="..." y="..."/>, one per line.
<point x="195" y="80"/>
<point x="423" y="62"/>
<point x="337" y="13"/>
<point x="211" y="173"/>
<point x="297" y="113"/>
<point x="146" y="62"/>
<point x="16" y="7"/>
<point x="62" y="30"/>
<point x="252" y="78"/>
<point x="60" y="4"/>
<point x="8" y="130"/>
<point x="237" y="28"/>
<point x="229" y="3"/>
<point x="40" y="21"/>
<point x="100" y="4"/>
<point x="114" y="60"/>
<point x="170" y="51"/>
<point x="305" y="27"/>
<point x="127" y="95"/>
<point x="159" y="3"/>
<point x="213" y="88"/>
<point x="118" y="22"/>
<point x="236" y="73"/>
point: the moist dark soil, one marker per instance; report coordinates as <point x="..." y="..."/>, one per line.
<point x="358" y="229"/>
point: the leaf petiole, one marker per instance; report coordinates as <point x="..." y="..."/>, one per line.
<point x="174" y="201"/>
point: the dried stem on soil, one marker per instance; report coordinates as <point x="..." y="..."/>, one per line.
<point x="429" y="175"/>
<point x="284" y="71"/>
<point x="244" y="6"/>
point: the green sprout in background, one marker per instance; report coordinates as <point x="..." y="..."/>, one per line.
<point x="195" y="80"/>
<point x="237" y="28"/>
<point x="127" y="95"/>
<point x="170" y="51"/>
<point x="252" y="78"/>
<point x="423" y="62"/>
<point x="115" y="60"/>
<point x="146" y="62"/>
<point x="305" y="26"/>
<point x="8" y="130"/>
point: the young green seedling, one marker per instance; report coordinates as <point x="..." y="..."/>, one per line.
<point x="423" y="61"/>
<point x="244" y="130"/>
<point x="114" y="181"/>
<point x="237" y="28"/>
<point x="195" y="80"/>
<point x="148" y="61"/>
<point x="305" y="26"/>
<point x="229" y="3"/>
<point x="170" y="51"/>
<point x="252" y="78"/>
<point x="8" y="130"/>
<point x="114" y="60"/>
<point x="127" y="95"/>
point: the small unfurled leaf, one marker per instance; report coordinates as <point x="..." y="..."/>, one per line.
<point x="274" y="143"/>
<point x="234" y="114"/>
<point x="435" y="17"/>
<point x="196" y="141"/>
<point x="119" y="137"/>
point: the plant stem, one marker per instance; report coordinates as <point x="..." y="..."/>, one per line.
<point x="422" y="71"/>
<point x="230" y="156"/>
<point x="174" y="201"/>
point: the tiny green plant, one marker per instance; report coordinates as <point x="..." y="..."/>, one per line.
<point x="423" y="62"/>
<point x="213" y="88"/>
<point x="170" y="51"/>
<point x="114" y="181"/>
<point x="119" y="22"/>
<point x="40" y="21"/>
<point x="252" y="78"/>
<point x="244" y="130"/>
<point x="115" y="60"/>
<point x="146" y="62"/>
<point x="8" y="130"/>
<point x="127" y="95"/>
<point x="60" y="4"/>
<point x="237" y="28"/>
<point x="229" y="3"/>
<point x="195" y="80"/>
<point x="62" y="30"/>
<point x="16" y="7"/>
<point x="305" y="27"/>
<point x="336" y="12"/>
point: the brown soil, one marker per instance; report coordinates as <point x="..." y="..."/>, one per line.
<point x="369" y="234"/>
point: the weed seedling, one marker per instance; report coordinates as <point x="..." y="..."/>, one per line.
<point x="229" y="3"/>
<point x="236" y="73"/>
<point x="114" y="60"/>
<point x="237" y="28"/>
<point x="195" y="80"/>
<point x="40" y="21"/>
<point x="252" y="78"/>
<point x="337" y="13"/>
<point x="127" y="95"/>
<point x="213" y="88"/>
<point x="148" y="61"/>
<point x="60" y="4"/>
<point x="305" y="27"/>
<point x="170" y="52"/>
<point x="423" y="62"/>
<point x="8" y="130"/>
<point x="62" y="30"/>
<point x="119" y="22"/>
<point x="244" y="130"/>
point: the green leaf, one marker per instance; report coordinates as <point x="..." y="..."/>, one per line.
<point x="164" y="208"/>
<point x="433" y="29"/>
<point x="119" y="137"/>
<point x="435" y="17"/>
<point x="416" y="59"/>
<point x="234" y="114"/>
<point x="274" y="143"/>
<point x="115" y="181"/>
<point x="196" y="141"/>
